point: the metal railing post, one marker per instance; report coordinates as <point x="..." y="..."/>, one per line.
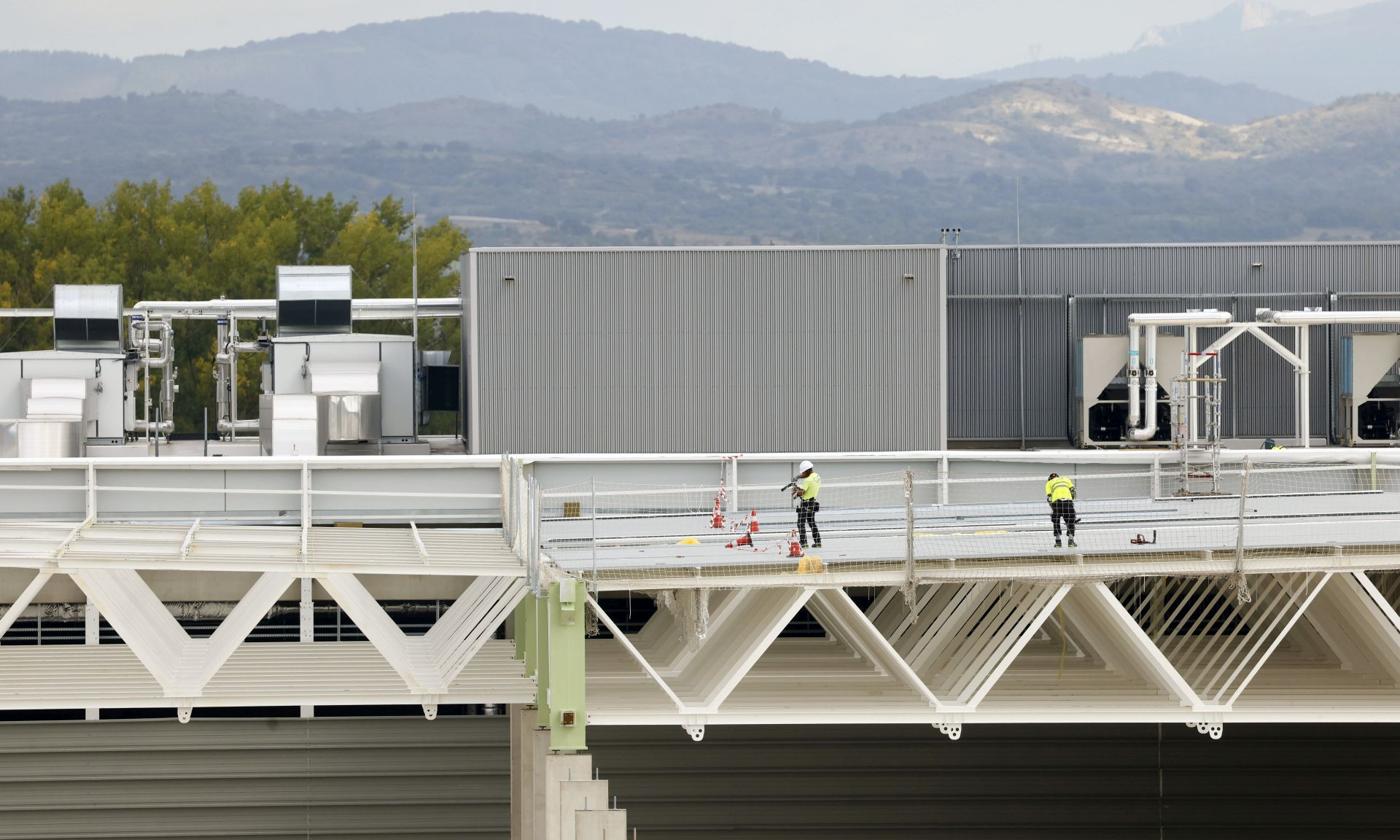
<point x="305" y="510"/>
<point x="593" y="523"/>
<point x="1242" y="585"/>
<point x="91" y="492"/>
<point x="909" y="537"/>
<point x="943" y="496"/>
<point x="533" y="564"/>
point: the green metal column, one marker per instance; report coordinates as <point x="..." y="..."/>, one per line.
<point x="549" y="638"/>
<point x="562" y="691"/>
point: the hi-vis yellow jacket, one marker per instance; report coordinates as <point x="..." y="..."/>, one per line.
<point x="1059" y="489"/>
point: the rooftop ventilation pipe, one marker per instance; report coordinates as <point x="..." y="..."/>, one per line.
<point x="1142" y="427"/>
<point x="1307" y="318"/>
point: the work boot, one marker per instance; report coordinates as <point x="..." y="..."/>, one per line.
<point x="817" y="544"/>
<point x="1057" y="543"/>
<point x="1072" y="543"/>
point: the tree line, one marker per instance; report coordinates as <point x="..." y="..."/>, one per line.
<point x="162" y="246"/>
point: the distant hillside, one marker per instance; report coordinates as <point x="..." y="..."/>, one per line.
<point x="1195" y="96"/>
<point x="1092" y="167"/>
<point x="576" y="69"/>
<point x="1315" y="58"/>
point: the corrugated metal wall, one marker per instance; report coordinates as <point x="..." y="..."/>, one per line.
<point x="1124" y="782"/>
<point x="707" y="350"/>
<point x="382" y="778"/>
<point x="1063" y="292"/>
<point x="279" y="779"/>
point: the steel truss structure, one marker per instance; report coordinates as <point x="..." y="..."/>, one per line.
<point x="1202" y="637"/>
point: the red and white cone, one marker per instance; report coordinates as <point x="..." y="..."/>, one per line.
<point x="753" y="521"/>
<point x="717" y="516"/>
<point x="794" y="547"/>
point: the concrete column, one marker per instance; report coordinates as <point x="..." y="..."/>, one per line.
<point x="558" y="769"/>
<point x="579" y="796"/>
<point x="522" y="727"/>
<point x="600" y="825"/>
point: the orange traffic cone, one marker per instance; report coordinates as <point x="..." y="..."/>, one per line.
<point x="794" y="547"/>
<point x="753" y="522"/>
<point x="744" y="539"/>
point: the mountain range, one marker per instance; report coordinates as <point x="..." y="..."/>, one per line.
<point x="536" y="131"/>
<point x="1093" y="166"/>
<point x="1315" y="58"/>
<point x="577" y="69"/>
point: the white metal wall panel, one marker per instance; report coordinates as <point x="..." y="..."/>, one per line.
<point x="273" y="779"/>
<point x="707" y="350"/>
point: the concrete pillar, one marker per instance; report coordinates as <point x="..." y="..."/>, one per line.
<point x="579" y="796"/>
<point x="522" y="726"/>
<point x="558" y="769"/>
<point x="600" y="825"/>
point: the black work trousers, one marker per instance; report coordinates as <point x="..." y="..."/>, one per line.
<point x="807" y="516"/>
<point x="1062" y="509"/>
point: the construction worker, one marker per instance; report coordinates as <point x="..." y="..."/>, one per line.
<point x="1059" y="494"/>
<point x="805" y="489"/>
<point x="1271" y="444"/>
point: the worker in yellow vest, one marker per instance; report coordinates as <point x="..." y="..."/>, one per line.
<point x="805" y="489"/>
<point x="1059" y="493"/>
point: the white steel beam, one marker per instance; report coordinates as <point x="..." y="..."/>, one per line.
<point x="632" y="651"/>
<point x="22" y="601"/>
<point x="732" y="649"/>
<point x="1120" y="640"/>
<point x="428" y="664"/>
<point x="1012" y="645"/>
<point x="853" y="627"/>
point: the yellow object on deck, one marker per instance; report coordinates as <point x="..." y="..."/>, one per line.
<point x="688" y="541"/>
<point x="810" y="564"/>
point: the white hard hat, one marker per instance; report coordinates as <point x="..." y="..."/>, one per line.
<point x="804" y="466"/>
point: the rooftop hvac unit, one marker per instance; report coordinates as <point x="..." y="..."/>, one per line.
<point x="1370" y="389"/>
<point x="88" y="318"/>
<point x="313" y="300"/>
<point x="1101" y="388"/>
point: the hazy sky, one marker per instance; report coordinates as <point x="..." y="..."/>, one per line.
<point x="917" y="37"/>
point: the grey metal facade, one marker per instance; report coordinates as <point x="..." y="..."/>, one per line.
<point x="705" y="350"/>
<point x="382" y="778"/>
<point x="1109" y="781"/>
<point x="1014" y="315"/>
<point x="273" y="779"/>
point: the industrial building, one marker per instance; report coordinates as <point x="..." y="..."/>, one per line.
<point x="587" y="613"/>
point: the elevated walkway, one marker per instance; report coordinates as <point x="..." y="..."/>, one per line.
<point x="938" y="595"/>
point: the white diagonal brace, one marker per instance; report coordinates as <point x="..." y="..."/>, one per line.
<point x="857" y="630"/>
<point x="1278" y="637"/>
<point x="1357" y="622"/>
<point x="204" y="657"/>
<point x="380" y="629"/>
<point x="731" y="651"/>
<point x="1012" y="646"/>
<point x="139" y="617"/>
<point x="1121" y="641"/>
<point x="942" y="629"/>
<point x="636" y="654"/>
<point x="11" y="615"/>
<point x="456" y="639"/>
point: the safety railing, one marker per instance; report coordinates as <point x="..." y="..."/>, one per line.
<point x="268" y="490"/>
<point x="953" y="515"/>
